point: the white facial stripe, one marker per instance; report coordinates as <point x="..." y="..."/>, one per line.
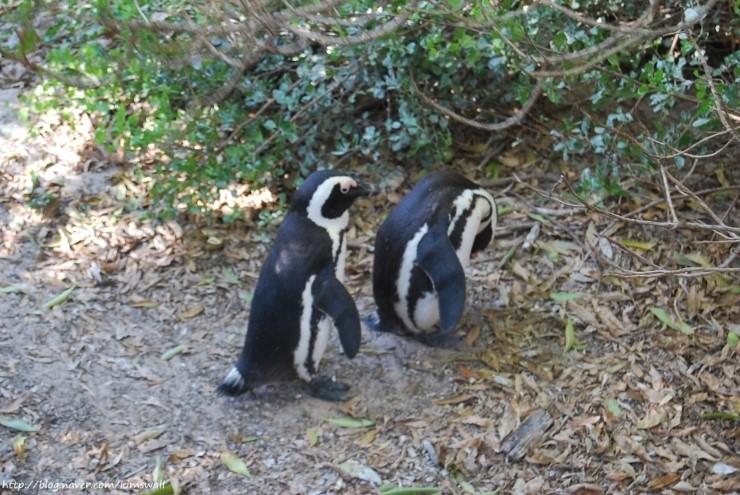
<point x="301" y="353"/>
<point x="403" y="283"/>
<point x="481" y="203"/>
<point x="461" y="204"/>
<point x="346" y="184"/>
<point x="488" y="208"/>
<point x="334" y="226"/>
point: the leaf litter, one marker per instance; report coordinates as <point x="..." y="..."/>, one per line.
<point x="643" y="405"/>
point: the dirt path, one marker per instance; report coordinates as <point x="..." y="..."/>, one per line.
<point x="90" y="373"/>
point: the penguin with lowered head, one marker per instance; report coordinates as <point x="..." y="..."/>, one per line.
<point x="421" y="250"/>
<point x="299" y="298"/>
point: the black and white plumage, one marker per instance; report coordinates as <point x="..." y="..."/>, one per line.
<point x="299" y="297"/>
<point x="421" y="250"/>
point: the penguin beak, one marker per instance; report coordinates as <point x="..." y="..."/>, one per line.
<point x="364" y="189"/>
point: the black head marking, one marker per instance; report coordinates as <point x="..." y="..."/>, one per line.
<point x="336" y="192"/>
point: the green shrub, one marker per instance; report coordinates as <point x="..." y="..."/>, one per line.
<point x="198" y="105"/>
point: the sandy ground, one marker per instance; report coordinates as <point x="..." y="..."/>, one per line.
<point x="89" y="373"/>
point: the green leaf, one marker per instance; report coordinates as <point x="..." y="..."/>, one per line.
<point x="681" y="326"/>
<point x="235" y="464"/>
<point x="149" y="434"/>
<point x="700" y="259"/>
<point x="167" y="489"/>
<point x="720" y="415"/>
<point x="312" y="437"/>
<point x="684" y="327"/>
<point x="230" y="276"/>
<point x="643" y="246"/>
<point x="538" y="217"/>
<point x="732" y="339"/>
<point x="19" y="446"/>
<point x="346" y="422"/>
<point x="10" y="289"/>
<point x="700" y="122"/>
<point x="565" y="296"/>
<point x="570" y="336"/>
<point x="170" y="353"/>
<point x="158" y="475"/>
<point x="247" y="296"/>
<point x="467" y="487"/>
<point x="662" y="315"/>
<point x="613" y="406"/>
<point x="60" y="298"/>
<point x="17" y="424"/>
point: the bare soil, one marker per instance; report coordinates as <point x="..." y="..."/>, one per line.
<point x="91" y="371"/>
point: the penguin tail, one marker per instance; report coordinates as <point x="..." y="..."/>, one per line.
<point x="233" y="384"/>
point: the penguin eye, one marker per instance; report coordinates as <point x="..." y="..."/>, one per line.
<point x="344" y="188"/>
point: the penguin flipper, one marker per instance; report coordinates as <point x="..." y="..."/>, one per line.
<point x="331" y="298"/>
<point x="436" y="257"/>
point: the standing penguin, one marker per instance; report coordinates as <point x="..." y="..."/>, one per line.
<point x="421" y="250"/>
<point x="299" y="296"/>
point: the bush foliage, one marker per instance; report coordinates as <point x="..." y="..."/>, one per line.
<point x="200" y="96"/>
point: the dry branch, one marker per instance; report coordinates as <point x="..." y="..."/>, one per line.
<point x="723" y="230"/>
<point x="517" y="443"/>
<point x="504" y="124"/>
<point x="722" y="112"/>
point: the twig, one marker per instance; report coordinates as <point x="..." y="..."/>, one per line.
<point x="546" y="195"/>
<point x="559" y="225"/>
<point x="601" y="25"/>
<point x="719" y="104"/>
<point x="364" y="37"/>
<point x="686" y="153"/>
<point x="696" y="198"/>
<point x="662" y="200"/>
<point x="505" y="181"/>
<point x="73" y="81"/>
<point x="693" y="271"/>
<point x="720" y="229"/>
<point x="667" y="192"/>
<point x="624" y="248"/>
<point x="504" y="124"/>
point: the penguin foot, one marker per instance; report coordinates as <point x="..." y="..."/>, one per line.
<point x="324" y="388"/>
<point x="372" y="321"/>
<point x="439" y="339"/>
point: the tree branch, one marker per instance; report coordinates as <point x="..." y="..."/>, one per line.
<point x="504" y="124"/>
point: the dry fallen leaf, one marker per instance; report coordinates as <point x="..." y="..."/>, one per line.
<point x="453" y="400"/>
<point x="191" y="312"/>
<point x="235" y="464"/>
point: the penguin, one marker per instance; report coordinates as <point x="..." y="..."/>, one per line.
<point x="299" y="298"/>
<point x="421" y="250"/>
